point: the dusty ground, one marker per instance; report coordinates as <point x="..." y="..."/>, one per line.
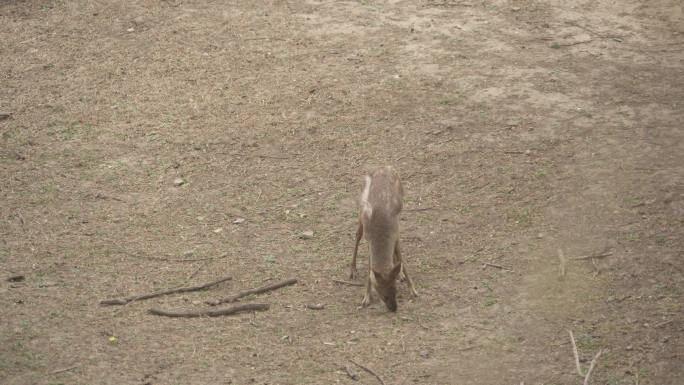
<point x="519" y="128"/>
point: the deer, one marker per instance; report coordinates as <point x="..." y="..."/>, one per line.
<point x="380" y="203"/>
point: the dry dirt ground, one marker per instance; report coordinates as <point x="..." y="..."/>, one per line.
<point x="520" y="128"/>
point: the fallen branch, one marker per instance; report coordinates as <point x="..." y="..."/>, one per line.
<point x="591" y="367"/>
<point x="125" y="300"/>
<point x="210" y="312"/>
<point x="595" y="256"/>
<point x="368" y="370"/>
<point x="258" y="290"/>
<point x="574" y="351"/>
<point x="348" y="283"/>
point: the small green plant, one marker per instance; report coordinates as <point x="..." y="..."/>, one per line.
<point x="489" y="301"/>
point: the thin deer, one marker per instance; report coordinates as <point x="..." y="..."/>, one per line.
<point x="380" y="204"/>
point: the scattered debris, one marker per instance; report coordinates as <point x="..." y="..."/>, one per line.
<point x="308" y="234"/>
<point x="237" y="221"/>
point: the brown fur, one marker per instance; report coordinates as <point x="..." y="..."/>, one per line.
<point x="381" y="202"/>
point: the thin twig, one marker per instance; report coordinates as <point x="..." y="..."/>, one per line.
<point x="591" y="366"/>
<point x="595" y="256"/>
<point x="496" y="266"/>
<point x="350" y="372"/>
<point x="257" y="290"/>
<point x="469" y="347"/>
<point x="65" y="369"/>
<point x="348" y="283"/>
<point x="575" y="43"/>
<point x="263" y="38"/>
<point x="368" y="370"/>
<point x="194" y="273"/>
<point x="421" y="209"/>
<point x="210" y="312"/>
<point x="125" y="300"/>
<point x="662" y="324"/>
<point x="574" y="351"/>
<point x="561" y="266"/>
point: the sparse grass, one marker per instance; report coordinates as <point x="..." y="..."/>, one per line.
<point x="489" y="301"/>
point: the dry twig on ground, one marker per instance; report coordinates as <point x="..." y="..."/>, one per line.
<point x="257" y="290"/>
<point x="368" y="370"/>
<point x="574" y="351"/>
<point x="210" y="312"/>
<point x="348" y="283"/>
<point x="595" y="256"/>
<point x="125" y="300"/>
<point x="591" y="367"/>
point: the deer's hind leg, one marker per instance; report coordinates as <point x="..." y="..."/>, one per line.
<point x="359" y="233"/>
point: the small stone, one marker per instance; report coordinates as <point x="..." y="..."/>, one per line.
<point x="188" y="253"/>
<point x="130" y="29"/>
<point x="540" y="235"/>
<point x="178" y="182"/>
<point x="528" y="152"/>
<point x="218" y="230"/>
<point x="315" y="306"/>
<point x="237" y="221"/>
<point x="308" y="234"/>
<point x="424" y="353"/>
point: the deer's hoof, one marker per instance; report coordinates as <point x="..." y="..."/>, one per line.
<point x="366" y="301"/>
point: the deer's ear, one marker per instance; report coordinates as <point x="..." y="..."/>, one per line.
<point x="395" y="271"/>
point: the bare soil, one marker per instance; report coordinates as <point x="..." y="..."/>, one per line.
<point x="519" y="127"/>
